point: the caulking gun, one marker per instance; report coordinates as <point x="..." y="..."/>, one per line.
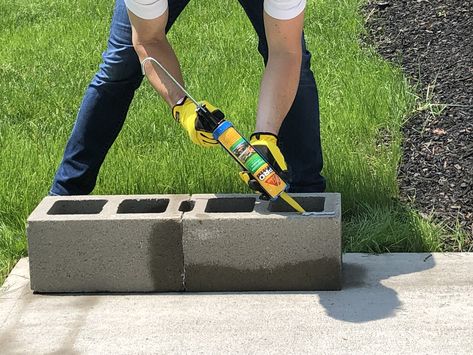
<point x="238" y="147"/>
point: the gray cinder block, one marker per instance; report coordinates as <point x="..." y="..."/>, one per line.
<point x="237" y="243"/>
<point x="107" y="243"/>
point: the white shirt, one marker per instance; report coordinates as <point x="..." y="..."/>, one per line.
<point x="279" y="9"/>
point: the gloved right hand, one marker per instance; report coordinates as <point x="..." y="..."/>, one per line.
<point x="185" y="113"/>
<point x="266" y="145"/>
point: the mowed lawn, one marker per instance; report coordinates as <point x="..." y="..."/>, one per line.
<point x="51" y="49"/>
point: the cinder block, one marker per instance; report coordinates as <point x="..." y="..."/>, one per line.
<point x="107" y="243"/>
<point x="237" y="243"/>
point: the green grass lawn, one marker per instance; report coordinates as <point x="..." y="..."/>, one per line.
<point x="51" y="49"/>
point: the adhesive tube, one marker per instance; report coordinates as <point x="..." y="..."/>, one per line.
<point x="244" y="153"/>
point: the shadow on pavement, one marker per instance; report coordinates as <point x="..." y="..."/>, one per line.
<point x="363" y="297"/>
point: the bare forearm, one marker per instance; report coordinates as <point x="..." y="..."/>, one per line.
<point x="281" y="77"/>
<point x="163" y="52"/>
<point x="278" y="90"/>
<point x="149" y="40"/>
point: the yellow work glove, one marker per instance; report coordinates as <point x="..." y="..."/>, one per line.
<point x="185" y="113"/>
<point x="266" y="145"/>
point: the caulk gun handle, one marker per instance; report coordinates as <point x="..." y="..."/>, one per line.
<point x="210" y="120"/>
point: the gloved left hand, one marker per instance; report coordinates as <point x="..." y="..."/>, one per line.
<point x="185" y="113"/>
<point x="266" y="144"/>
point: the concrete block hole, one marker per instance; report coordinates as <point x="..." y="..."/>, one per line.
<point x="230" y="205"/>
<point x="186" y="206"/>
<point x="143" y="206"/>
<point x="309" y="204"/>
<point x="77" y="207"/>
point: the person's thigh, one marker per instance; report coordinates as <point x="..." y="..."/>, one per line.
<point x="254" y="12"/>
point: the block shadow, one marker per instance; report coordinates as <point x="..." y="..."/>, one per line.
<point x="363" y="297"/>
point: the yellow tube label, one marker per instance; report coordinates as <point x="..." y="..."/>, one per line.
<point x="252" y="161"/>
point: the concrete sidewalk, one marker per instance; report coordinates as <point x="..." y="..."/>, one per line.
<point x="393" y="303"/>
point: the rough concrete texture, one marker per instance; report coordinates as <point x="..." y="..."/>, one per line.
<point x="106" y="243"/>
<point x="389" y="304"/>
<point x="233" y="243"/>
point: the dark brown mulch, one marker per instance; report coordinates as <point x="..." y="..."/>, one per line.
<point x="432" y="40"/>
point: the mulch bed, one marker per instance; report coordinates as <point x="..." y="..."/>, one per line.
<point x="432" y="40"/>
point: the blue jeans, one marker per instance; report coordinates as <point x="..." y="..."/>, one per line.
<point x="108" y="97"/>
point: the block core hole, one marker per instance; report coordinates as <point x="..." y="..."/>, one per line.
<point x="143" y="206"/>
<point x="309" y="204"/>
<point x="186" y="206"/>
<point x="63" y="207"/>
<point x="230" y="205"/>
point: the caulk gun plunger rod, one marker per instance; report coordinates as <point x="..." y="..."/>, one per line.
<point x="169" y="76"/>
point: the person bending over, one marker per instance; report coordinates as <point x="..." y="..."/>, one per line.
<point x="287" y="118"/>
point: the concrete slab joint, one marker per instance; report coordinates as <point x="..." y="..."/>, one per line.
<point x="159" y="243"/>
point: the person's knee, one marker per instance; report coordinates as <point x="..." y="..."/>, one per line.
<point x="120" y="66"/>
